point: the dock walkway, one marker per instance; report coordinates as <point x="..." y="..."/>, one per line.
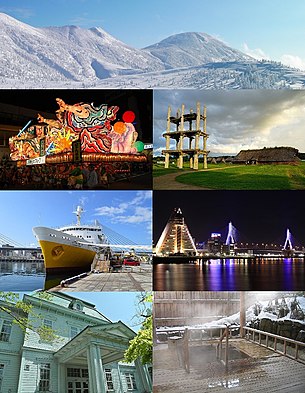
<point x="130" y="279"/>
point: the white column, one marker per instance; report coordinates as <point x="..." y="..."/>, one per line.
<point x="144" y="375"/>
<point x="120" y="379"/>
<point x="95" y="368"/>
<point x="21" y="374"/>
<point x="62" y="378"/>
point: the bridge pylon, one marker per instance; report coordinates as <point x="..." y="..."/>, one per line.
<point x="288" y="249"/>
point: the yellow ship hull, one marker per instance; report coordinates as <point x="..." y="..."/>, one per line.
<point x="63" y="256"/>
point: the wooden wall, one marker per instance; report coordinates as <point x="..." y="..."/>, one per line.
<point x="176" y="308"/>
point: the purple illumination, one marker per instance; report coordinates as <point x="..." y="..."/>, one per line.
<point x="231" y="234"/>
<point x="288" y="244"/>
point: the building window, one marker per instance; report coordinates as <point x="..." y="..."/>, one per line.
<point x="1" y="374"/>
<point x="44" y="378"/>
<point x="74" y="331"/>
<point x="131" y="382"/>
<point x="73" y="372"/>
<point x="48" y="323"/>
<point x="109" y="380"/>
<point x="76" y="305"/>
<point x="6" y="330"/>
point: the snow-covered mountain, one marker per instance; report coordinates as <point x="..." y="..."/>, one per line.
<point x="194" y="49"/>
<point x="66" y="53"/>
<point x="73" y="57"/>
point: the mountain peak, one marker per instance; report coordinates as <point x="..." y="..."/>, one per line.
<point x="192" y="49"/>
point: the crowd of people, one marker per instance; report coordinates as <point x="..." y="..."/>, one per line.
<point x="67" y="175"/>
<point x="53" y="176"/>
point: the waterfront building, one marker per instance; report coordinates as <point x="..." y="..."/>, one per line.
<point x="82" y="355"/>
<point x="176" y="238"/>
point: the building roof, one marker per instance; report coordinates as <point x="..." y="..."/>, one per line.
<point x="268" y="154"/>
<point x="66" y="303"/>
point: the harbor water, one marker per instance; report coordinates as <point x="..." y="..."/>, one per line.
<point x="285" y="274"/>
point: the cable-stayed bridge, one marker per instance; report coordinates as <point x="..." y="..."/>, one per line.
<point x="175" y="242"/>
<point x="6" y="241"/>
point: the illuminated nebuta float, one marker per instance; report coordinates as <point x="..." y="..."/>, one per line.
<point x="80" y="131"/>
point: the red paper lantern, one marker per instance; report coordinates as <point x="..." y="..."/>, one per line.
<point x="129" y="116"/>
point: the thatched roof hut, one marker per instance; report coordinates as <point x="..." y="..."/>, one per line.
<point x="268" y="155"/>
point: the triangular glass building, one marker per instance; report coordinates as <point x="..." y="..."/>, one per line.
<point x="176" y="238"/>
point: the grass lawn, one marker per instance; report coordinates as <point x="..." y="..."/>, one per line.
<point x="246" y="177"/>
<point x="159" y="170"/>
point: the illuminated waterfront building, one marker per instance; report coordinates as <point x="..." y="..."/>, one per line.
<point x="176" y="238"/>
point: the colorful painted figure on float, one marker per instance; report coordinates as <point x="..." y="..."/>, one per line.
<point x="91" y="125"/>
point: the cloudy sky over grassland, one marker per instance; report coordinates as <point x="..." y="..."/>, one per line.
<point x="236" y="120"/>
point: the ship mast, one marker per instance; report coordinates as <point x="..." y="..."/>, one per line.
<point x="79" y="211"/>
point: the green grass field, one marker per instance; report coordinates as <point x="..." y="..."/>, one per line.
<point x="159" y="170"/>
<point x="243" y="177"/>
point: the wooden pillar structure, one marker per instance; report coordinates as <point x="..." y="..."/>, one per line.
<point x="192" y="150"/>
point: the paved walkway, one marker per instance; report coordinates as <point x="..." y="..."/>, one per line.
<point x="263" y="371"/>
<point x="130" y="279"/>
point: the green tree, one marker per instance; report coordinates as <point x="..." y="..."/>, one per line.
<point x="19" y="311"/>
<point x="141" y="347"/>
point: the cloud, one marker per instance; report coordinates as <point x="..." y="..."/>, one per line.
<point x="84" y="21"/>
<point x="109" y="210"/>
<point x="293" y="61"/>
<point x="257" y="53"/>
<point x="139" y="215"/>
<point x="83" y="200"/>
<point x="18" y="12"/>
<point x="242" y="119"/>
<point x="141" y="196"/>
<point x="134" y="211"/>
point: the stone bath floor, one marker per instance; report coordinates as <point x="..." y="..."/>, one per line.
<point x="262" y="372"/>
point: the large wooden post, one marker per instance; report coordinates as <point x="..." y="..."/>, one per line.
<point x="182" y="118"/>
<point x="167" y="137"/>
<point x="198" y="117"/>
<point x="242" y="315"/>
<point x="168" y="127"/>
<point x="186" y="350"/>
<point x="205" y="159"/>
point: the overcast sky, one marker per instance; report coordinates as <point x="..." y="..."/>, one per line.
<point x="264" y="29"/>
<point x="238" y="119"/>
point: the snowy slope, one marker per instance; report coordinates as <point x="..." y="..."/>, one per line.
<point x="194" y="49"/>
<point x="66" y="53"/>
<point x="73" y="57"/>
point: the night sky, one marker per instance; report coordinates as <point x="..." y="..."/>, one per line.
<point x="259" y="216"/>
<point x="139" y="101"/>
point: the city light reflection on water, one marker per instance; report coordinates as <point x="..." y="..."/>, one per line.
<point x="231" y="275"/>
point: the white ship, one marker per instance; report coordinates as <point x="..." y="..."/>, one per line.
<point x="71" y="247"/>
